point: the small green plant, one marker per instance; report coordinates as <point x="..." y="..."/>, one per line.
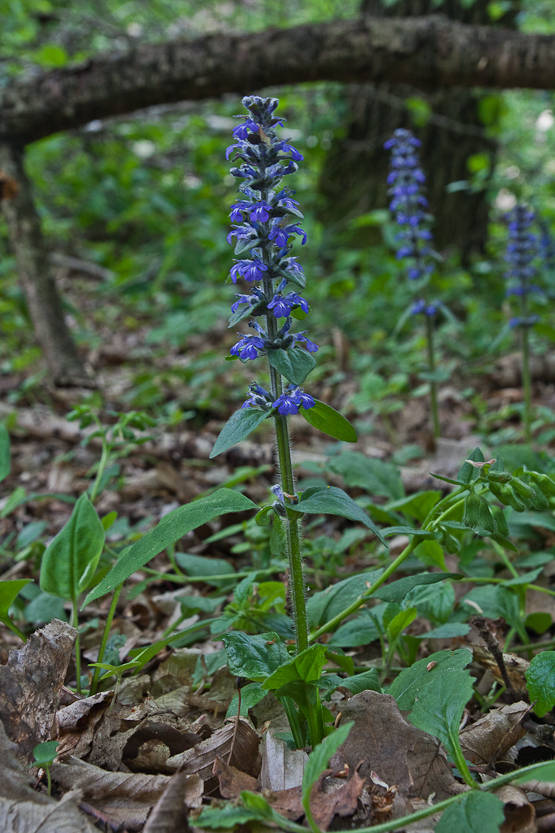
<point x="44" y="755"/>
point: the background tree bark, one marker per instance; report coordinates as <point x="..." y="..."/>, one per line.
<point x="43" y="300"/>
<point x="355" y="173"/>
<point x="425" y="52"/>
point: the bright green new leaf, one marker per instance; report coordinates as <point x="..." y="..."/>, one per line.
<point x="305" y="667"/>
<point x="329" y="421"/>
<point x="239" y="425"/>
<point x="319" y="759"/>
<point x="70" y="561"/>
<point x="540" y="680"/>
<point x="5" y="456"/>
<point x="435" y="690"/>
<point x="399" y="622"/>
<point x="475" y="812"/>
<point x="295" y="364"/>
<point x="8" y="591"/>
<point x="256" y="656"/>
<point x="44" y="753"/>
<point x="171" y="528"/>
<point x="333" y="501"/>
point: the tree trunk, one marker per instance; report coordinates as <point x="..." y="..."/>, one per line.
<point x="355" y="174"/>
<point x="43" y="300"/>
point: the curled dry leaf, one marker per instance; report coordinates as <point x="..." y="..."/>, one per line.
<point x="335" y="797"/>
<point x="520" y="816"/>
<point x="31" y="683"/>
<point x="125" y="798"/>
<point x="24" y="810"/>
<point x="487" y="740"/>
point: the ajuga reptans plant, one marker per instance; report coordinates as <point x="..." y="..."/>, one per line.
<point x="522" y="250"/>
<point x="409" y="207"/>
<point x="266" y="222"/>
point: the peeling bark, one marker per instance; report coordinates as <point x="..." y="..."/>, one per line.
<point x="43" y="300"/>
<point x="428" y="53"/>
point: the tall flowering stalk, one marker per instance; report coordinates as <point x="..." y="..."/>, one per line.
<point x="408" y="206"/>
<point x="522" y="250"/>
<point x="265" y="224"/>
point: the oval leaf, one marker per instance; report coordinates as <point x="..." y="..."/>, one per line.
<point x="329" y="421"/>
<point x="540" y="679"/>
<point x="334" y="501"/>
<point x="255" y="657"/>
<point x="71" y="559"/>
<point x="171" y="528"/>
<point x="475" y="812"/>
<point x="295" y="364"/>
<point x="239" y="425"/>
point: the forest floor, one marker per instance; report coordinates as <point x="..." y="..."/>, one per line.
<point x="160" y="738"/>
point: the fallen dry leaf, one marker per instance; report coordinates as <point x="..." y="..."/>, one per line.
<point x="125" y="798"/>
<point x="281" y="767"/>
<point x="24" y="810"/>
<point x="487" y="740"/>
<point x="335" y="797"/>
<point x="231" y="780"/>
<point x="31" y="683"/>
<point x="400" y="754"/>
<point x="520" y="816"/>
<point x="170" y="815"/>
<point x="200" y="759"/>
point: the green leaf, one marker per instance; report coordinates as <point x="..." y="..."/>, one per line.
<point x="5" y="456"/>
<point x="362" y="630"/>
<point x="306" y="667"/>
<point x="251" y="694"/>
<point x="447" y="631"/>
<point x="70" y="561"/>
<point x="239" y="425"/>
<point x="540" y="680"/>
<point x="333" y="501"/>
<point x="475" y="812"/>
<point x="431" y="553"/>
<point x="397" y="590"/>
<point x="415" y="506"/>
<point x="468" y="472"/>
<point x="51" y="55"/>
<point x="436" y="694"/>
<point x="171" y="528"/>
<point x="375" y="476"/>
<point x="542" y="772"/>
<point x="365" y="681"/>
<point x="295" y="364"/>
<point x="255" y="657"/>
<point x="9" y="589"/>
<point x="319" y="759"/>
<point x="329" y="421"/>
<point x="225" y="817"/>
<point x="399" y="622"/>
<point x="477" y="514"/>
<point x="325" y="604"/>
<point x="44" y="753"/>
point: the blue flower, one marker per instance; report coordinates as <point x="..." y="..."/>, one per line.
<point x="300" y="338"/>
<point x="248" y="347"/>
<point x="408" y="203"/>
<point x="250" y="270"/>
<point x="259" y="212"/>
<point x="293" y="399"/>
<point x="253" y="300"/>
<point x="259" y="398"/>
<point x="281" y="306"/>
<point x="422" y="307"/>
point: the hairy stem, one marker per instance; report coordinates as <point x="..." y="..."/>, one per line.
<point x="431" y="369"/>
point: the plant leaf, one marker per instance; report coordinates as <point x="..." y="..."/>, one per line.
<point x="306" y="667"/>
<point x="436" y="694"/>
<point x="333" y="501"/>
<point x="329" y="421"/>
<point x="239" y="425"/>
<point x="540" y="680"/>
<point x="325" y="604"/>
<point x="255" y="657"/>
<point x="5" y="455"/>
<point x="295" y="364"/>
<point x="171" y="528"/>
<point x="319" y="759"/>
<point x="475" y="812"/>
<point x="375" y="476"/>
<point x="70" y="560"/>
<point x="9" y="589"/>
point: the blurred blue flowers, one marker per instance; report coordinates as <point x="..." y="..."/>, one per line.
<point x="522" y="250"/>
